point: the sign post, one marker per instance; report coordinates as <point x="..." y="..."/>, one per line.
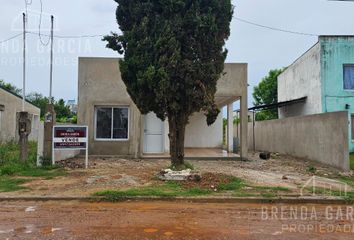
<point x="70" y="138"/>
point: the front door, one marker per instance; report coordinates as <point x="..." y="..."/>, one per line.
<point x="153" y="134"/>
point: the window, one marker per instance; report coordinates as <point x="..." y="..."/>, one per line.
<point x="112" y="123"/>
<point x="348" y="76"/>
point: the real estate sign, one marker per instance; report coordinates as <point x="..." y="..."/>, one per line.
<point x="70" y="138"/>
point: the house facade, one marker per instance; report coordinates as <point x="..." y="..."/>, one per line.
<point x="324" y="76"/>
<point x="10" y="106"/>
<point x="116" y="126"/>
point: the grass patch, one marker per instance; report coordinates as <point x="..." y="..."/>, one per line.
<point x="168" y="189"/>
<point x="268" y="195"/>
<point x="273" y="189"/>
<point x="11" y="166"/>
<point x="311" y="169"/>
<point x="8" y="184"/>
<point x="347" y="180"/>
<point x="351" y="158"/>
<point x="335" y="193"/>
<point x="234" y="184"/>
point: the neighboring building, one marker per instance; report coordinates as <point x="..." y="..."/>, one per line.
<point x="10" y="106"/>
<point x="324" y="78"/>
<point x="116" y="126"/>
<point x="72" y="105"/>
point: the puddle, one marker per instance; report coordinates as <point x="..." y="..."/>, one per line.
<point x="30" y="209"/>
<point x="6" y="231"/>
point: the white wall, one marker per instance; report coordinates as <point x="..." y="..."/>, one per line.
<point x="200" y="135"/>
<point x="301" y="79"/>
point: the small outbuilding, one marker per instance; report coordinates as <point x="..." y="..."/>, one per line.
<point x="10" y="106"/>
<point x="116" y="126"/>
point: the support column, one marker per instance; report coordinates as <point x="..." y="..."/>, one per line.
<point x="244" y="126"/>
<point x="230" y="127"/>
<point x="49" y="122"/>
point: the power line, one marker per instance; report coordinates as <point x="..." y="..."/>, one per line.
<point x="10" y="38"/>
<point x="275" y="29"/>
<point x="55" y="36"/>
<point x="70" y="36"/>
<point x="39" y="27"/>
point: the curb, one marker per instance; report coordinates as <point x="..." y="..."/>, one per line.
<point x="191" y="200"/>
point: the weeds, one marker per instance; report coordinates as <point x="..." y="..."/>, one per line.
<point x="167" y="190"/>
<point x="11" y="166"/>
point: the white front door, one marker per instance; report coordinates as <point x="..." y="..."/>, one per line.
<point x="153" y="134"/>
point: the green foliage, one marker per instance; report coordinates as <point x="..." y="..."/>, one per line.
<point x="276" y="189"/>
<point x="62" y="110"/>
<point x="351" y="161"/>
<point x="8" y="184"/>
<point x="311" y="169"/>
<point x="10" y="164"/>
<point x="267" y="93"/>
<point x="10" y="87"/>
<point x="173" y="56"/>
<point x="168" y="190"/>
<point x="234" y="184"/>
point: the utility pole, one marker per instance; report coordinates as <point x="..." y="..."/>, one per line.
<point x="50" y="116"/>
<point x="24" y="123"/>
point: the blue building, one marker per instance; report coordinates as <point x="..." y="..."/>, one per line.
<point x="324" y="78"/>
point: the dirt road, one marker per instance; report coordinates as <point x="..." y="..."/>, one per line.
<point x="173" y="220"/>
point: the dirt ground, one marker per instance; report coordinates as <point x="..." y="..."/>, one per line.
<point x="173" y="220"/>
<point x="113" y="174"/>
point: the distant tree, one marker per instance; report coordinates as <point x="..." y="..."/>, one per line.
<point x="63" y="111"/>
<point x="173" y="56"/>
<point x="267" y="93"/>
<point x="39" y="100"/>
<point x="10" y="87"/>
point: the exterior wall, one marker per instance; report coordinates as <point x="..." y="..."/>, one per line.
<point x="100" y="84"/>
<point x="8" y="122"/>
<point x="335" y="52"/>
<point x="302" y="79"/>
<point x="200" y="135"/>
<point x="321" y="137"/>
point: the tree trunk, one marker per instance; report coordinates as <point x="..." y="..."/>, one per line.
<point x="177" y="127"/>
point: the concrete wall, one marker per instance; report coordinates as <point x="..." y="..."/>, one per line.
<point x="8" y="122"/>
<point x="337" y="51"/>
<point x="200" y="135"/>
<point x="302" y="79"/>
<point x="321" y="137"/>
<point x="100" y="84"/>
<point x="232" y="85"/>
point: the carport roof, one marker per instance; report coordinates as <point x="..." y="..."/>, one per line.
<point x="279" y="104"/>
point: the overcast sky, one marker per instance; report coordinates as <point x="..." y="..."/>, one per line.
<point x="263" y="49"/>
